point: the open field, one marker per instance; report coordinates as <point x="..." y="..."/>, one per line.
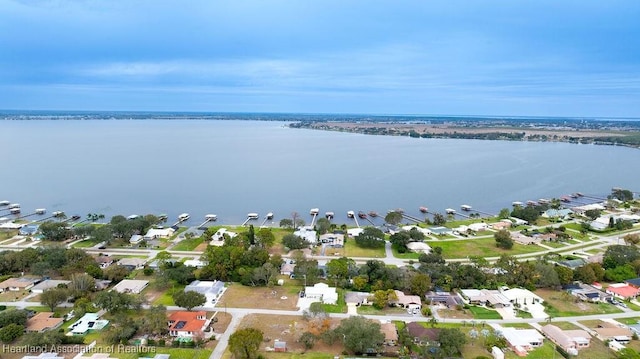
<point x="484" y="313"/>
<point x="485" y="247"/>
<point x="558" y="304"/>
<point x="188" y="244"/>
<point x="289" y="329"/>
<point x="352" y="250"/>
<point x="239" y="296"/>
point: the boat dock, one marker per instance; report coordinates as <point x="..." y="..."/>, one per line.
<point x="314" y="214"/>
<point x="208" y="218"/>
<point x="268" y="217"/>
<point x="409" y="217"/>
<point x="352" y="215"/>
<point x="468" y="208"/>
<point x="363" y="215"/>
<point x="250" y="216"/>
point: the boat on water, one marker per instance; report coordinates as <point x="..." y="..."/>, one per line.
<point x="516" y="204"/>
<point x="41" y="211"/>
<point x="362" y="215"/>
<point x="15" y="210"/>
<point x="270" y="215"/>
<point x="543" y="201"/>
<point x="57" y="213"/>
<point x="424" y="209"/>
<point x="162" y="217"/>
<point x="351" y="214"/>
<point x="373" y="214"/>
<point x="328" y="215"/>
<point x="211" y="217"/>
<point x="133" y="216"/>
<point x="565" y="199"/>
<point x="399" y="210"/>
<point x="252" y="215"/>
<point x="183" y="217"/>
<point x="532" y="203"/>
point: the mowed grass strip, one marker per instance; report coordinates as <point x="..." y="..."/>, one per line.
<point x="485" y="247"/>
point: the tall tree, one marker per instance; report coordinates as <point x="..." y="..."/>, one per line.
<point x="244" y="343"/>
<point x="53" y="297"/>
<point x="189" y="299"/>
<point x="393" y="217"/>
<point x="360" y="334"/>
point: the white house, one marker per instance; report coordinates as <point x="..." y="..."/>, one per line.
<point x="155" y="233"/>
<point x="89" y="321"/>
<point x="322" y="292"/>
<point x="218" y="237"/>
<point x="195" y="263"/>
<point x="131" y="286"/>
<point x="212" y="290"/>
<point x="308" y="234"/>
<point x="136" y="238"/>
<point x="48" y="284"/>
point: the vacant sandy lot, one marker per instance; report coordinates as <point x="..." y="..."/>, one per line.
<point x="239" y="296"/>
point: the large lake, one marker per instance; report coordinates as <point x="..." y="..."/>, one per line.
<point x="230" y="168"/>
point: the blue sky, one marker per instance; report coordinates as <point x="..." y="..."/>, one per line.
<point x="529" y="58"/>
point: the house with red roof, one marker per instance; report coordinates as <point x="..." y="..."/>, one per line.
<point x="623" y="290"/>
<point x="183" y="324"/>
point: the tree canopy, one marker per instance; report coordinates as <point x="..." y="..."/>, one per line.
<point x="244" y="343"/>
<point x="360" y="335"/>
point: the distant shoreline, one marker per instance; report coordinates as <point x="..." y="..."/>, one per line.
<point x="597" y="133"/>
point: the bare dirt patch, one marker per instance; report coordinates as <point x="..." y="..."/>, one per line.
<point x="289" y="329"/>
<point x="239" y="296"/>
<point x="454" y="314"/>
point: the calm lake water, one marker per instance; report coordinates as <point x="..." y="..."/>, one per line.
<point x="230" y="168"/>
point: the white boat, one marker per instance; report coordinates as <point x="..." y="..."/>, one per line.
<point x="211" y="217"/>
<point x="183" y="217"/>
<point x="314" y="211"/>
<point x="41" y="210"/>
<point x="252" y="215"/>
<point x="15" y="210"/>
<point x="133" y="216"/>
<point x="351" y="214"/>
<point x="270" y="215"/>
<point x="516" y="203"/>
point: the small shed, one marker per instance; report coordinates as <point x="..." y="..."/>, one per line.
<point x="279" y="346"/>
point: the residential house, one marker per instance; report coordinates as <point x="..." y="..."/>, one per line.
<point x="423" y="335"/>
<point x="18" y="284"/>
<point x="132" y="263"/>
<point x="357" y="298"/>
<point x="184" y="324"/>
<point x="497" y="353"/>
<point x="569" y="340"/>
<point x="521" y="296"/>
<point x="564" y="213"/>
<point x="89" y="322"/>
<point x="134" y="286"/>
<point x="441" y="231"/>
<point x="156" y="233"/>
<point x="572" y="263"/>
<point x="307" y="233"/>
<point x="196" y="263"/>
<point x="524" y="240"/>
<point x="390" y="333"/>
<point x="447" y="299"/>
<point x="322" y="292"/>
<point x="522" y="341"/>
<point x="212" y="290"/>
<point x="48" y="284"/>
<point x="635" y="282"/>
<point x="103" y="261"/>
<point x="287" y="267"/>
<point x="217" y="239"/>
<point x="42" y="321"/>
<point x="504" y="224"/>
<point x="613" y="332"/>
<point x="588" y="293"/>
<point x="29" y="230"/>
<point x="136" y="239"/>
<point x="335" y="239"/>
<point x="485" y="297"/>
<point x="408" y="301"/>
<point x="623" y="290"/>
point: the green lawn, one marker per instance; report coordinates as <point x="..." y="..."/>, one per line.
<point x="352" y="250"/>
<point x="546" y="351"/>
<point x="86" y="243"/>
<point x="407" y="255"/>
<point x="188" y="244"/>
<point x="485" y="247"/>
<point x="484" y="313"/>
<point x="339" y="307"/>
<point x="166" y="297"/>
<point x="370" y="310"/>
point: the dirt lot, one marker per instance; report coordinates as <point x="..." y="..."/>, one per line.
<point x="239" y="296"/>
<point x="289" y="329"/>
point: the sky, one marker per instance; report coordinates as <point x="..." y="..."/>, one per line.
<point x="502" y="57"/>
